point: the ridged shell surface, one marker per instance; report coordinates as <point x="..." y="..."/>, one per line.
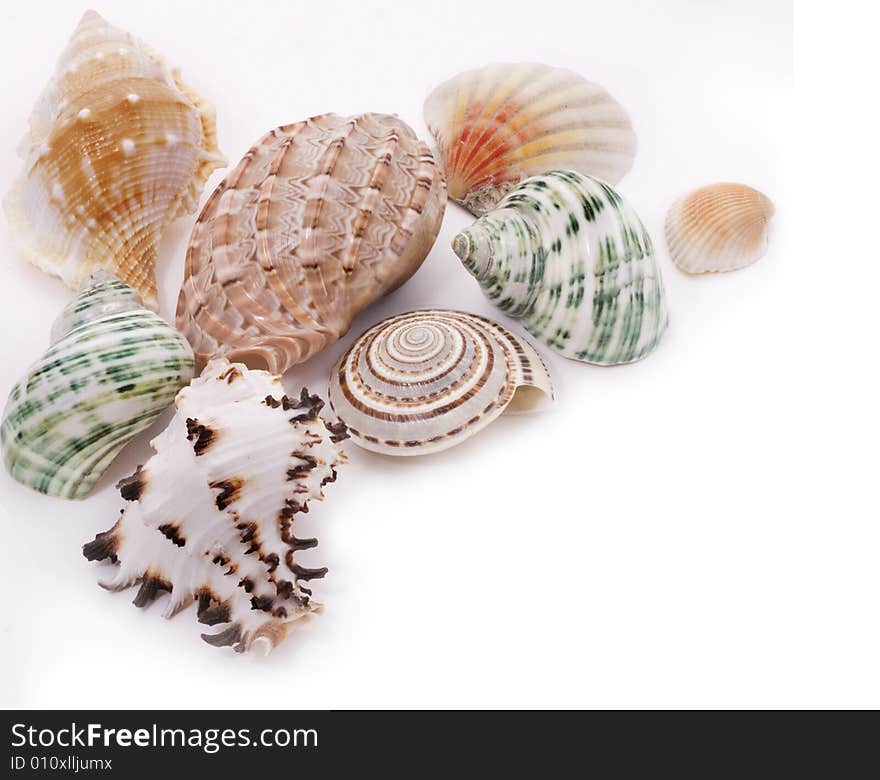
<point x="112" y="367"/>
<point x="209" y="517"/>
<point x="118" y="147"/>
<point x="317" y="221"/>
<point x="500" y="124"/>
<point x="719" y="227"/>
<point x="425" y="381"/>
<point x="570" y="258"/>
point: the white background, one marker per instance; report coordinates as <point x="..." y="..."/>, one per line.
<point x="688" y="531"/>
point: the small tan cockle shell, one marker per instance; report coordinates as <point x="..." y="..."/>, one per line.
<point x="118" y="147"/>
<point x="719" y="227"/>
<point x="500" y="124"/>
<point x="318" y="220"/>
<point x="425" y="381"/>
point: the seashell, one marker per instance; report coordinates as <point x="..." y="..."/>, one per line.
<point x="425" y="381"/>
<point x="500" y="124"/>
<point x="719" y="227"/>
<point x="118" y="147"/>
<point x="317" y="221"/>
<point x="112" y="367"/>
<point x="570" y="258"/>
<point x="209" y="516"/>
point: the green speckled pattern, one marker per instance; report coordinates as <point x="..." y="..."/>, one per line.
<point x="565" y="254"/>
<point x="112" y="368"/>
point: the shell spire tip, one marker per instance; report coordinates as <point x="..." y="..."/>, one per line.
<point x="473" y="248"/>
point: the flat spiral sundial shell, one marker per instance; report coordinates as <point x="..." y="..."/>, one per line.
<point x="427" y="380"/>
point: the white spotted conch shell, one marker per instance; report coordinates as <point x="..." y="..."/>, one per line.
<point x="500" y="124"/>
<point x="719" y="227"/>
<point x="425" y="381"/>
<point x="118" y="147"/>
<point x="318" y="220"/>
<point x="209" y="517"/>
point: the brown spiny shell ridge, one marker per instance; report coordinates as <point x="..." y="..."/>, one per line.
<point x="215" y="525"/>
<point x="118" y="147"/>
<point x="719" y="227"/>
<point x="319" y="219"/>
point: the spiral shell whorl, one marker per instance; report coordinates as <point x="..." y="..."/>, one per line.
<point x="101" y="295"/>
<point x="424" y="381"/>
<point x="566" y="254"/>
<point x="111" y="368"/>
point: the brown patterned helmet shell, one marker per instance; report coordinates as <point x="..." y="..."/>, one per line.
<point x="318" y="220"/>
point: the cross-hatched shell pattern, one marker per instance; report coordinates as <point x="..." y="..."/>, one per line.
<point x="209" y="518"/>
<point x="500" y="124"/>
<point x="719" y="227"/>
<point x="425" y="381"/>
<point x="318" y="220"/>
<point x="570" y="258"/>
<point x="118" y="147"/>
<point x="112" y="367"/>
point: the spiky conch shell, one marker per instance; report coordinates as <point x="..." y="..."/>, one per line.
<point x="719" y="227"/>
<point x="318" y="220"/>
<point x="500" y="124"/>
<point x="209" y="517"/>
<point x="118" y="147"/>
<point x="111" y="369"/>
<point x="425" y="381"/>
<point x="567" y="256"/>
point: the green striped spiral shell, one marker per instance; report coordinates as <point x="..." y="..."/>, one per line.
<point x="565" y="254"/>
<point x="112" y="367"/>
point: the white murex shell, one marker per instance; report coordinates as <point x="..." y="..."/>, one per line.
<point x="118" y="147"/>
<point x="425" y="381"/>
<point x="210" y="515"/>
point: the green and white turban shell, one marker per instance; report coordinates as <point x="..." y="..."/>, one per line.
<point x="111" y="368"/>
<point x="566" y="255"/>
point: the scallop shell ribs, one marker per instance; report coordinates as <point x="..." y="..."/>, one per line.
<point x="209" y="518"/>
<point x="317" y="221"/>
<point x="118" y="147"/>
<point x="500" y="124"/>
